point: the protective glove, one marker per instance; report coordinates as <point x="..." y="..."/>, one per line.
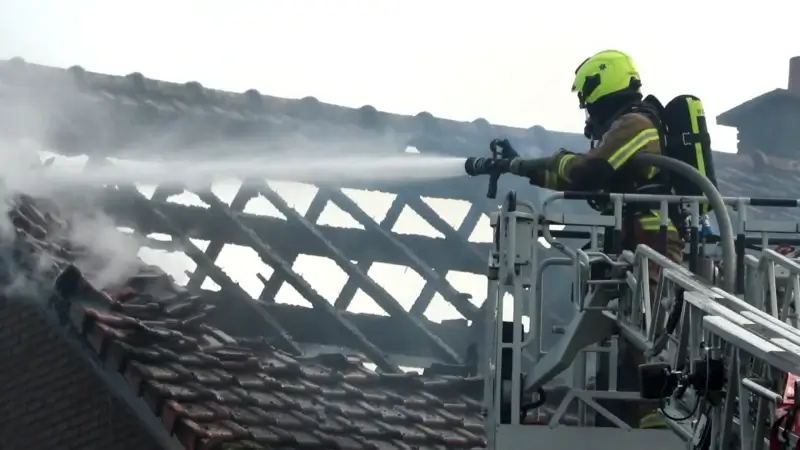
<point x="529" y="167"/>
<point x="504" y="148"/>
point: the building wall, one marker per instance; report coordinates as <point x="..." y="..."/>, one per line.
<point x="50" y="396"/>
<point x="773" y="131"/>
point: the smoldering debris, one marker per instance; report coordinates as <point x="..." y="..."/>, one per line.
<point x="38" y="241"/>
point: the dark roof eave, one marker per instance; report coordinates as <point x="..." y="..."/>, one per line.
<point x="735" y="116"/>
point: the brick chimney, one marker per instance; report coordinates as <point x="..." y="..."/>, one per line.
<point x="794" y="74"/>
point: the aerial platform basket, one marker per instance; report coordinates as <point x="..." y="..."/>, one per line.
<point x="722" y="328"/>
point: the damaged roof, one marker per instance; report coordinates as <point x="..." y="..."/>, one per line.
<point x="165" y="357"/>
<point x="84" y="112"/>
<point x="213" y="391"/>
<point x="206" y="388"/>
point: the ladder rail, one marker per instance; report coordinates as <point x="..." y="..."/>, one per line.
<point x="742" y="318"/>
<point x="615" y="220"/>
<point x="772" y="269"/>
<point x="750" y="332"/>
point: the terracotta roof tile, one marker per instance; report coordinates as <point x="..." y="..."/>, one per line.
<point x="211" y="389"/>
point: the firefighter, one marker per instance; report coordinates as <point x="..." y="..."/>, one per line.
<point x="619" y="126"/>
<point x="609" y="90"/>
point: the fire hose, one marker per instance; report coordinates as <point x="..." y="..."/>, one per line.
<point x="502" y="153"/>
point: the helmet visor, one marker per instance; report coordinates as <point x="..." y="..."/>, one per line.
<point x="581" y="101"/>
<point x="590" y="85"/>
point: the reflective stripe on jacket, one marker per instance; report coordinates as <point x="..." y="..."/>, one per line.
<point x="628" y="135"/>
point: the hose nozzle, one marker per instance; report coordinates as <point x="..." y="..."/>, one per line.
<point x="485" y="166"/>
<point x="498" y="164"/>
<point x="477" y="166"/>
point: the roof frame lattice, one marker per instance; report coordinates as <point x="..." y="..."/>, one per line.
<point x="367" y="284"/>
<point x="273" y="259"/>
<point x="283" y="338"/>
<point x="315" y="209"/>
<point x="431" y="277"/>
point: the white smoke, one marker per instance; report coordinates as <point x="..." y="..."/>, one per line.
<point x="110" y="256"/>
<point x="62" y="116"/>
<point x="106" y="256"/>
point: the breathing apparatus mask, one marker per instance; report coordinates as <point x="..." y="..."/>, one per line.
<point x="602" y="113"/>
<point x="588" y="128"/>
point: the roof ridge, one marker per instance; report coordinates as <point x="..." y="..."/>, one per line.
<point x="253" y="102"/>
<point x="251" y="99"/>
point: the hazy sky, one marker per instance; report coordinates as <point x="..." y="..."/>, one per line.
<point x="510" y="62"/>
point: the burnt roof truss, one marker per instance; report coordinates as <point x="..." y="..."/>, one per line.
<point x="228" y="223"/>
<point x="284" y="340"/>
<point x="370" y="286"/>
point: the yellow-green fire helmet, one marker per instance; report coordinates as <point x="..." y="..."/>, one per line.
<point x="606" y="73"/>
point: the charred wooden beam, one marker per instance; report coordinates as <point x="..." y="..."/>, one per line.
<point x="465" y="188"/>
<point x="457" y="299"/>
<point x="350" y="287"/>
<point x="370" y="287"/>
<point x="273" y="285"/>
<point x="458" y="239"/>
<point x="312" y="326"/>
<point x="165" y="191"/>
<point x="243" y="195"/>
<point x="429" y="290"/>
<point x="358" y="245"/>
<point x="270" y="257"/>
<point x="218" y="275"/>
<point x="432" y="217"/>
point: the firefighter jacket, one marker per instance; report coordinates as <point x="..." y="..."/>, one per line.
<point x="566" y="171"/>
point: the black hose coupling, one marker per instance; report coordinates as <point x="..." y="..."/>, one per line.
<point x="478" y="166"/>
